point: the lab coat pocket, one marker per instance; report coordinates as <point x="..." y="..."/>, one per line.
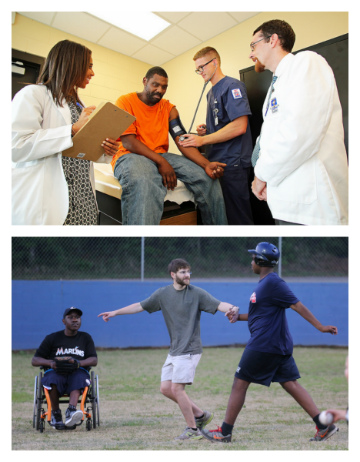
<point x="300" y="186"/>
<point x="26" y="194"/>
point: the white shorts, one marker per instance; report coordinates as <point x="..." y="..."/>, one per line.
<point x="180" y="369"/>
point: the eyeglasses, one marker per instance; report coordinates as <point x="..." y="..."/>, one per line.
<point x="252" y="45"/>
<point x="200" y="69"/>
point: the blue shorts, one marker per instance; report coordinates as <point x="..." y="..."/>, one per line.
<point x="65" y="384"/>
<point x="264" y="368"/>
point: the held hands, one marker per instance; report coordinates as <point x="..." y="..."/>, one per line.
<point x="233" y="314"/>
<point x="215" y="169"/>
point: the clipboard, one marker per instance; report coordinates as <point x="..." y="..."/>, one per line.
<point x="106" y="121"/>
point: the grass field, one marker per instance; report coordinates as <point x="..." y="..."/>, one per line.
<point x="135" y="416"/>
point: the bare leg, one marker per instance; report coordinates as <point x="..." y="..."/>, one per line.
<point x="54" y="398"/>
<point x="301" y="396"/>
<point x="236" y="400"/>
<point x="74" y="397"/>
<point x="176" y="392"/>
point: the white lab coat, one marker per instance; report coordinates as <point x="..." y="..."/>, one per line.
<point x="302" y="153"/>
<point x="41" y="130"/>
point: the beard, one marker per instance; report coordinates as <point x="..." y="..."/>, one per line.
<point x="151" y="97"/>
<point x="259" y="67"/>
<point x="182" y="282"/>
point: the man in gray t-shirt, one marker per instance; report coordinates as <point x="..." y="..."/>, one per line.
<point x="181" y="305"/>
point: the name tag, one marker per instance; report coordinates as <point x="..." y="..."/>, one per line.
<point x="274" y="105"/>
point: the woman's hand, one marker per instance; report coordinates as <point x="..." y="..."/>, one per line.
<point x="84" y="117"/>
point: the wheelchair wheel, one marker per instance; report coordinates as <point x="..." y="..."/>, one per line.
<point x="37" y="403"/>
<point x="94" y="398"/>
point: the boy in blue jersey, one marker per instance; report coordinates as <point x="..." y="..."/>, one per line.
<point x="226" y="135"/>
<point x="268" y="354"/>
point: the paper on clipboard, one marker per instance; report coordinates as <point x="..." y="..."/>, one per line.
<point x="106" y="121"/>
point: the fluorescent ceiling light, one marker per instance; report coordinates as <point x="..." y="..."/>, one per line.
<point x="143" y="24"/>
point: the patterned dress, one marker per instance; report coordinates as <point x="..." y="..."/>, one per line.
<point x="83" y="208"/>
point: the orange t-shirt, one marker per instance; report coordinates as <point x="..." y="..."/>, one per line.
<point x="151" y="126"/>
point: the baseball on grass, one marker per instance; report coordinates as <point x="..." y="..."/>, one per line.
<point x="326" y="418"/>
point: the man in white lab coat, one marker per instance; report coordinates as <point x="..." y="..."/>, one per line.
<point x="301" y="169"/>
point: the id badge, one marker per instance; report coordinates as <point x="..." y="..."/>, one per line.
<point x="216" y="120"/>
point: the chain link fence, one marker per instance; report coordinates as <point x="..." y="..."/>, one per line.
<point x="54" y="258"/>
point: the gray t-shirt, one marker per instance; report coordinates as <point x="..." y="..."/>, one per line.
<point x="181" y="310"/>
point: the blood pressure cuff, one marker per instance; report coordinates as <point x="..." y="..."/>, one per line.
<point x="176" y="128"/>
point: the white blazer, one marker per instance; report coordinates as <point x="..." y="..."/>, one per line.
<point x="302" y="152"/>
<point x="41" y="130"/>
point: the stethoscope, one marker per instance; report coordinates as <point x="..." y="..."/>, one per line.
<point x="197" y="107"/>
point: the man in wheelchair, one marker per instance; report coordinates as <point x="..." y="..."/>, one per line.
<point x="67" y="356"/>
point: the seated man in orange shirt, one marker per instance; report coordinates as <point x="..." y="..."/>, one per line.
<point x="145" y="168"/>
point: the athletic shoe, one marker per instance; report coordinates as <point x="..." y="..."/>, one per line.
<point x="203" y="421"/>
<point x="190" y="434"/>
<point x="322" y="435"/>
<point x="56" y="420"/>
<point x="72" y="417"/>
<point x="216" y="436"/>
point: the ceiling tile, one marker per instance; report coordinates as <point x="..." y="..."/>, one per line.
<point x="187" y="30"/>
<point x="43" y="17"/>
<point x="153" y="55"/>
<point x="175" y="41"/>
<point x="121" y="41"/>
<point x="207" y="25"/>
<point x="172" y="16"/>
<point x="241" y="16"/>
<point x="82" y="25"/>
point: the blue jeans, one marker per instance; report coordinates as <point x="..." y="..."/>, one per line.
<point x="143" y="192"/>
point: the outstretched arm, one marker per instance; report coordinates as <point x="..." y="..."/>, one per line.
<point x="234" y="316"/>
<point x="309" y="317"/>
<point x="232" y="312"/>
<point x="225" y="307"/>
<point x="130" y="309"/>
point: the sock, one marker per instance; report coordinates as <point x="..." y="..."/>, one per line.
<point x="195" y="429"/>
<point x="226" y="429"/>
<point x="197" y="418"/>
<point x="319" y="425"/>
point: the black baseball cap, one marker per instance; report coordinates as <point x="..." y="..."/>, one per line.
<point x="69" y="310"/>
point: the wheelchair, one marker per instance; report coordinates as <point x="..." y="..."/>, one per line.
<point x="89" y="404"/>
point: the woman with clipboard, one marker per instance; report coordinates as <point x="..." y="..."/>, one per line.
<point x="48" y="188"/>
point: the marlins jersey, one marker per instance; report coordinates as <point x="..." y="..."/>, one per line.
<point x="79" y="346"/>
